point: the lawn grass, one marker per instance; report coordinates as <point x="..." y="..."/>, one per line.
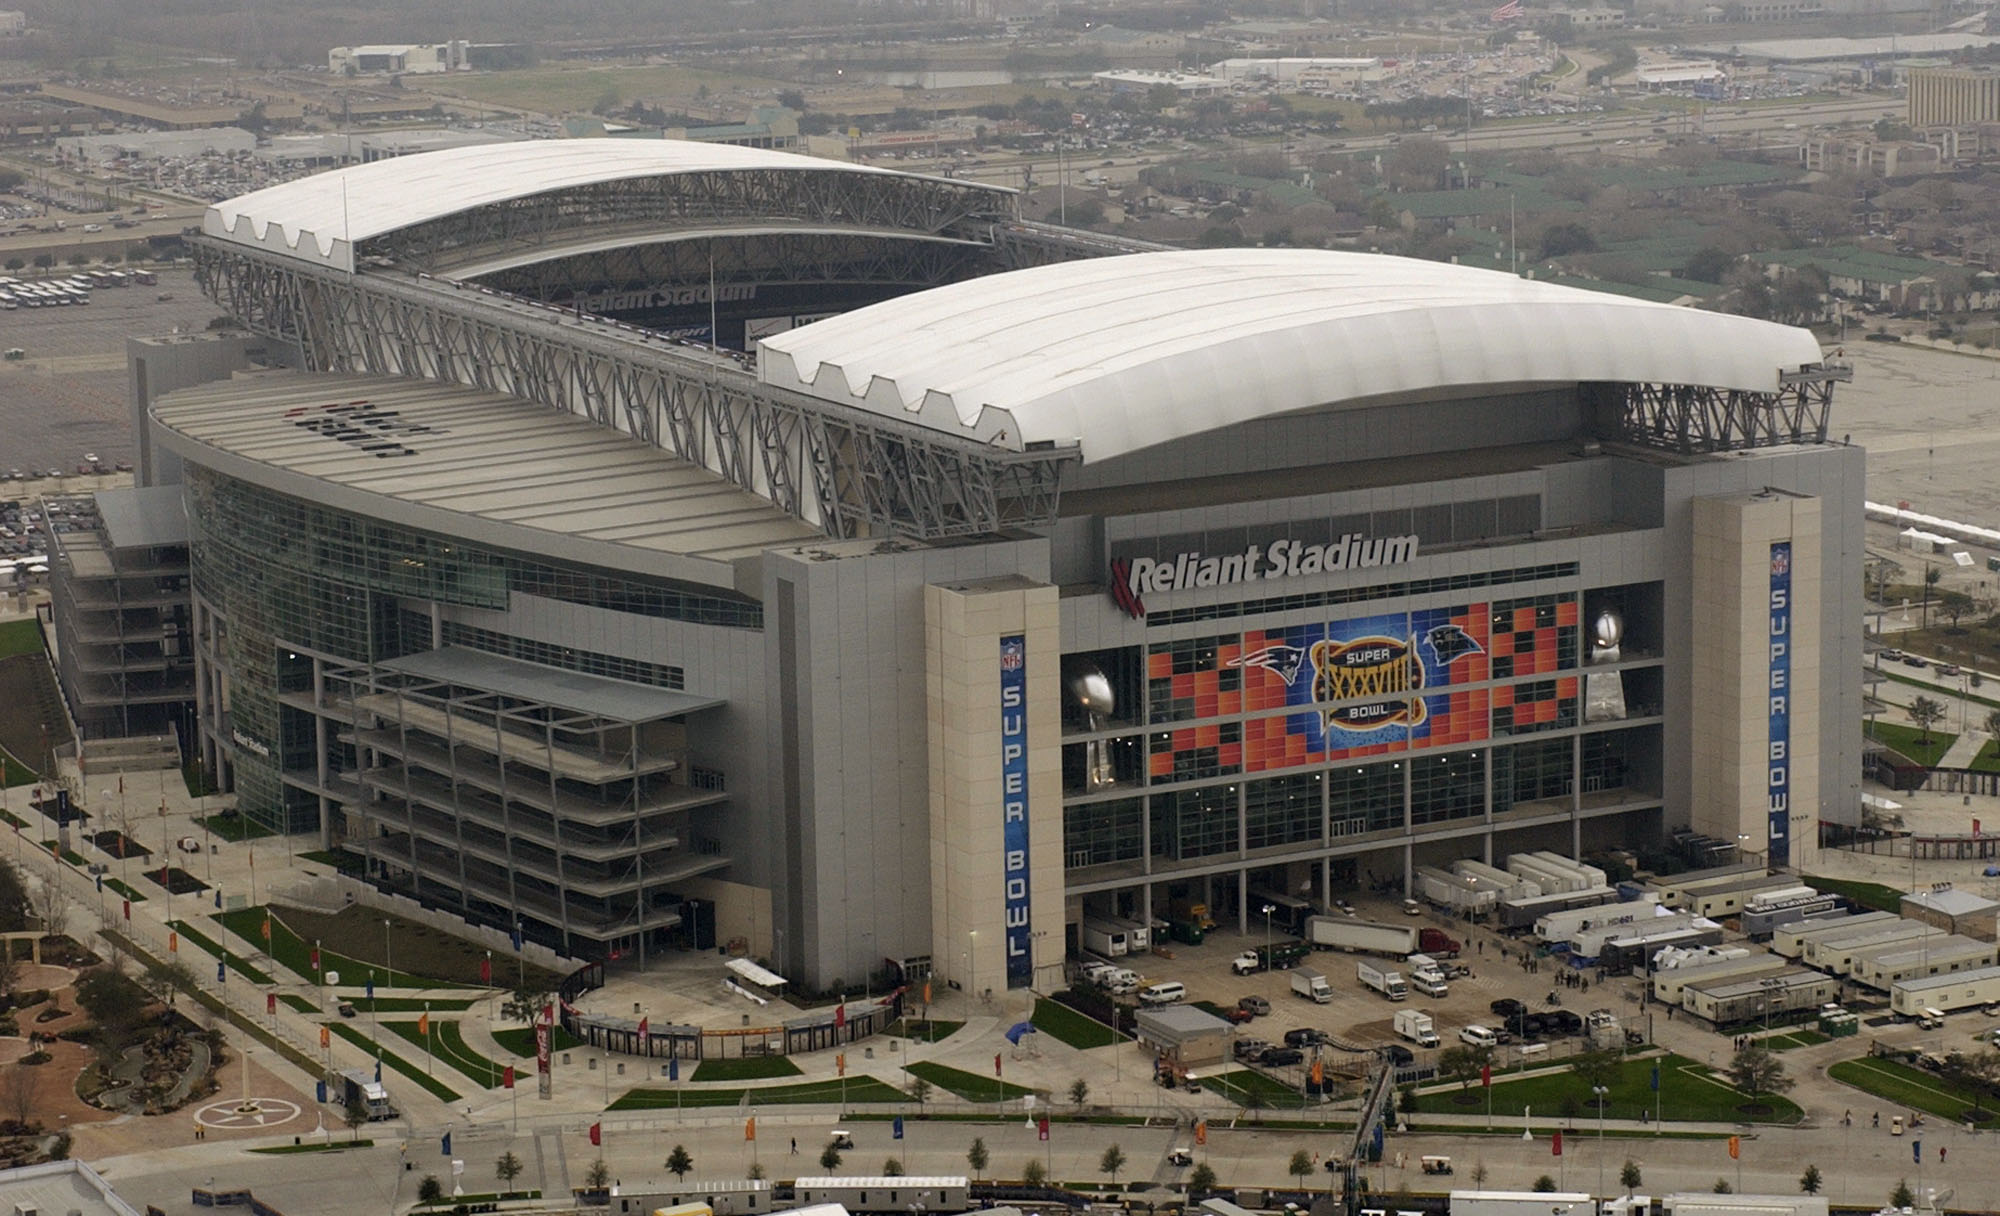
<point x="20" y="637"/>
<point x="968" y="1085"/>
<point x="1911" y="742"/>
<point x="236" y="963"/>
<point x="1988" y="759"/>
<point x="521" y="1039"/>
<point x="1059" y="1021"/>
<point x="857" y="1089"/>
<point x="933" y="1030"/>
<point x="754" y="1068"/>
<point x="1796" y="1038"/>
<point x="406" y="1004"/>
<point x="294" y="953"/>
<point x="13" y="773"/>
<point x="1249" y="1088"/>
<point x="235" y="828"/>
<point x="1689" y="1093"/>
<point x="125" y="891"/>
<point x="1871" y="895"/>
<point x="449" y="1046"/>
<point x="1906" y="1086"/>
<point x="414" y="1072"/>
<point x="344" y="861"/>
<point x="296" y="1002"/>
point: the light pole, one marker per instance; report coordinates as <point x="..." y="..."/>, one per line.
<point x="1267" y="909"/>
<point x="1603" y="1100"/>
<point x="388" y="957"/>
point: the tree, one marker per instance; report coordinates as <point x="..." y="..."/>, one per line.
<point x="1955" y="604"/>
<point x="1418" y="164"/>
<point x="792" y="99"/>
<point x="1544" y="1185"/>
<point x="113" y="1001"/>
<point x="920" y="1089"/>
<point x="977" y="1157"/>
<point x="1111" y="1162"/>
<point x="53" y="905"/>
<point x="1566" y="238"/>
<point x="756" y="1172"/>
<point x="1901" y="1196"/>
<point x="829" y="1158"/>
<point x="166" y="981"/>
<point x="430" y="1190"/>
<point x="1809" y="1182"/>
<point x="1708" y="264"/>
<point x="679" y="1162"/>
<point x="1201" y="1178"/>
<point x="1629" y="1177"/>
<point x="599" y="1175"/>
<point x="1931" y="576"/>
<point x="507" y="1169"/>
<point x="1300" y="1165"/>
<point x="1033" y="1173"/>
<point x="892" y="1168"/>
<point x="1926" y="713"/>
<point x="16" y="264"/>
<point x="524" y="1005"/>
<point x="1478" y="1174"/>
<point x="21" y="1092"/>
<point x="1757" y="1070"/>
<point x="354" y="1113"/>
<point x="1079" y="1089"/>
<point x="1722" y="1187"/>
<point x="44" y="260"/>
<point x="1464" y="1063"/>
<point x="1085" y="213"/>
<point x="1596" y="1069"/>
<point x="1992" y="723"/>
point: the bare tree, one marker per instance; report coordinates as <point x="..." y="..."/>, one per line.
<point x="53" y="905"/>
<point x="1926" y="713"/>
<point x="20" y="1091"/>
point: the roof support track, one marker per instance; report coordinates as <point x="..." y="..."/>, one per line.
<point x="1691" y="419"/>
<point x="844" y="470"/>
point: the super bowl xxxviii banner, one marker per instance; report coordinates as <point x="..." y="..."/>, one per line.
<point x="1363" y="687"/>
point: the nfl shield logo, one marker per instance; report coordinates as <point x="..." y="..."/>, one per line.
<point x="1011" y="656"/>
<point x="1781" y="562"/>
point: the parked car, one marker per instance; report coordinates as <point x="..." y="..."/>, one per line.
<point x="1305" y="1036"/>
<point x="1250" y="1049"/>
<point x="1914" y="661"/>
<point x="1892" y="655"/>
<point x="1279" y="1057"/>
<point x="1238" y="1016"/>
<point x="1256" y="1006"/>
<point x="1948" y="669"/>
<point x="1506" y="1007"/>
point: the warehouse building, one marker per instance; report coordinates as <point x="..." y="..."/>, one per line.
<point x="1051" y="584"/>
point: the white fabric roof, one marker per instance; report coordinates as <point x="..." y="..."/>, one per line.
<point x="1121" y="353"/>
<point x="317" y="218"/>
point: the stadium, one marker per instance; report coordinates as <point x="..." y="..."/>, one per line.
<point x="649" y="545"/>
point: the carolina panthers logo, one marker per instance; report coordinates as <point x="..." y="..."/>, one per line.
<point x="1285" y="660"/>
<point x="1449" y="643"/>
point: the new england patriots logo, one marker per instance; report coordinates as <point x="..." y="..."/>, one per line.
<point x="1448" y="643"/>
<point x="1285" y="660"/>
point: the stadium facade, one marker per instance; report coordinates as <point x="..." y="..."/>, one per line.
<point x="1039" y="578"/>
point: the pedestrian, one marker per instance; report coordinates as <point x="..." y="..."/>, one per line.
<point x="1878" y="1119"/>
<point x="1941" y="1152"/>
<point x="795" y="1146"/>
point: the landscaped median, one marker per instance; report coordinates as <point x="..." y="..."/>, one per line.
<point x="1067" y="1025"/>
<point x="1689" y="1092"/>
<point x="294" y="954"/>
<point x="1917" y="1089"/>
<point x="968" y="1085"/>
<point x="812" y="1093"/>
<point x="414" y="1072"/>
<point x="447" y="1044"/>
<point x="236" y="962"/>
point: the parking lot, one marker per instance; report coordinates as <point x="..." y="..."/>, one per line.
<point x="68" y="394"/>
<point x="1358" y="1017"/>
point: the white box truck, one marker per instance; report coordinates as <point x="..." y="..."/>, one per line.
<point x="1311" y="985"/>
<point x="1389" y="983"/>
<point x="1104" y="939"/>
<point x="1415" y="1025"/>
<point x="1427" y="977"/>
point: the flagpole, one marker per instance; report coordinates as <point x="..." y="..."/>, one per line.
<point x="427" y="1039"/>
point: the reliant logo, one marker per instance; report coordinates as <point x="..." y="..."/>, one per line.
<point x="1132" y="578"/>
<point x="358" y="424"/>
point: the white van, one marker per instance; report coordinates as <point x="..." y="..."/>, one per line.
<point x="1167" y="992"/>
<point x="1931" y="1019"/>
<point x="1477" y="1036"/>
